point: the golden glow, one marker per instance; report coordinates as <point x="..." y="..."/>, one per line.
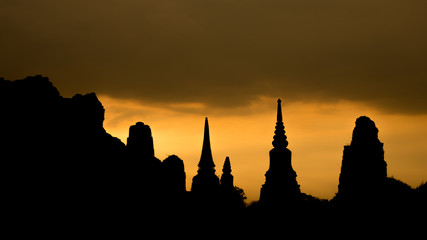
<point x="316" y="133"/>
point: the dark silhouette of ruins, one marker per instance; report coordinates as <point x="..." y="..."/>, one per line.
<point x="280" y="186"/>
<point x="363" y="181"/>
<point x="56" y="150"/>
<point x="365" y="150"/>
<point x="207" y="189"/>
<point x="60" y="163"/>
<point x="232" y="197"/>
<point x="227" y="180"/>
<point x="206" y="183"/>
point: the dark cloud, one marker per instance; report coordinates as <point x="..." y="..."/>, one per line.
<point x="223" y="53"/>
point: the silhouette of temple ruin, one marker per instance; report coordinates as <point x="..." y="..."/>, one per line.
<point x="227" y="180"/>
<point x="363" y="169"/>
<point x="280" y="179"/>
<point x="60" y="163"/>
<point x="207" y="188"/>
<point x="206" y="182"/>
<point x="143" y="170"/>
<point x="140" y="144"/>
<point x="232" y="197"/>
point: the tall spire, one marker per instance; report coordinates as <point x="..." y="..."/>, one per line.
<point x="279" y="134"/>
<point x="280" y="185"/>
<point x="205" y="182"/>
<point x="279" y="111"/>
<point x="206" y="160"/>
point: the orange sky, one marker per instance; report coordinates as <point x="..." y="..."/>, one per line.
<point x="171" y="63"/>
<point x="316" y="134"/>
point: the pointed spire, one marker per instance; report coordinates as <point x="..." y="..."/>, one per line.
<point x="279" y="134"/>
<point x="227" y="180"/>
<point x="279" y="111"/>
<point x="206" y="160"/>
<point x="227" y="166"/>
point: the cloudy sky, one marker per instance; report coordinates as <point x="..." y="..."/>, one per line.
<point x="169" y="63"/>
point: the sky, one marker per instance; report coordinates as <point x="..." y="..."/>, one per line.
<point x="171" y="63"/>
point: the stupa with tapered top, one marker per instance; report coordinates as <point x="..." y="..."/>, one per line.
<point x="280" y="180"/>
<point x="206" y="182"/>
<point x="227" y="180"/>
